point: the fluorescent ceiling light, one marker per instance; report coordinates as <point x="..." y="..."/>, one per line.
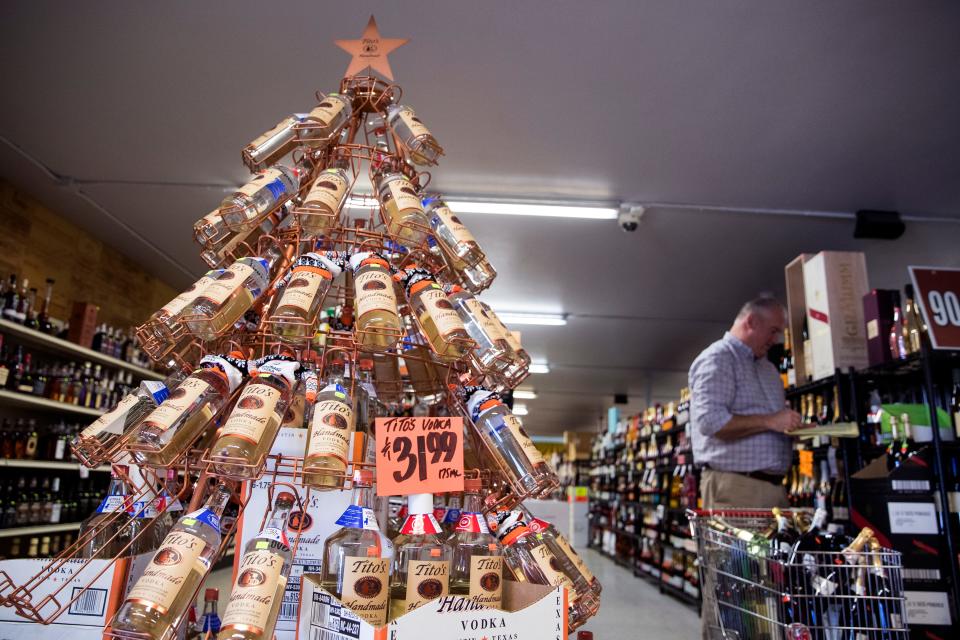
<point x="539" y="368"/>
<point x="524" y="394"/>
<point x="362" y="201"/>
<point x="549" y="210"/>
<point x="544" y="319"/>
<point x="520" y="410"/>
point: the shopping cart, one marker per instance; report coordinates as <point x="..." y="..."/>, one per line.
<point x="753" y="592"/>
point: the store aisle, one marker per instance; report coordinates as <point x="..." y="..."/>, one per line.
<point x="633" y="608"/>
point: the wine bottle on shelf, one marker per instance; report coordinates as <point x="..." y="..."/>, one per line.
<point x="787" y="373"/>
<point x="955" y="404"/>
<point x="421" y="564"/>
<point x="257" y="593"/>
<point x="356" y="566"/>
<point x="898" y="346"/>
<point x="244" y="440"/>
<point x="894" y="458"/>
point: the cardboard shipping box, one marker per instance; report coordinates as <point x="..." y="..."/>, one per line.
<point x="531" y="612"/>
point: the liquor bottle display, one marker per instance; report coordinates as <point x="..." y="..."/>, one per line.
<point x="337" y="308"/>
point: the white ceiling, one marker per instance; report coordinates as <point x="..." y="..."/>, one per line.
<point x="814" y="105"/>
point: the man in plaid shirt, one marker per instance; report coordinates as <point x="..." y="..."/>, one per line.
<point x="739" y="415"/>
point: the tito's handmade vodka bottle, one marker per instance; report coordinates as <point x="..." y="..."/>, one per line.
<point x="375" y="299"/>
<point x="452" y="233"/>
<point x="332" y="424"/>
<point x="437" y="318"/>
<point x="504" y="432"/>
<point x="325" y="120"/>
<point x="246" y="437"/>
<point x="401" y="207"/>
<point x="247" y="207"/>
<point x="321" y="206"/>
<point x="356" y="559"/>
<point x="413" y="135"/>
<point x="421" y="566"/>
<point x="257" y="594"/>
<point x="477" y="567"/>
<point x="156" y="604"/>
<point x="183" y="416"/>
<point x="302" y="292"/>
<point x="104" y="432"/>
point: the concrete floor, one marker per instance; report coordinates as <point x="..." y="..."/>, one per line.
<point x="629" y="607"/>
<point x="633" y="608"/>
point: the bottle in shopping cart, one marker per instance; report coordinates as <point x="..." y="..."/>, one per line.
<point x="436" y="317"/>
<point x="421" y="564"/>
<point x="402" y="211"/>
<point x="104" y="432"/>
<point x="452" y="233"/>
<point x="257" y="594"/>
<point x="110" y="529"/>
<point x="884" y="604"/>
<point x="356" y="559"/>
<point x="325" y="121"/>
<point x="375" y="299"/>
<point x="302" y="292"/>
<point x="476" y="570"/>
<point x="267" y="148"/>
<point x="170" y="428"/>
<point x="232" y="294"/>
<point x="323" y="203"/>
<point x="506" y="439"/>
<point x="245" y="438"/>
<point x="248" y="206"/>
<point x="413" y="135"/>
<point x="563" y="547"/>
<point x="159" y="600"/>
<point x="332" y="423"/>
<point x="530" y="559"/>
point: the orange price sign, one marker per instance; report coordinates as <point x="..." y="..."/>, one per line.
<point x="419" y="455"/>
<point x="806" y="463"/>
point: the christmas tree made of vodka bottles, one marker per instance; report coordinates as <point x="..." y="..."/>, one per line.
<point x="341" y="288"/>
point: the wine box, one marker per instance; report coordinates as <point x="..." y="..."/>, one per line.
<point x="531" y="612"/>
<point x="878" y="307"/>
<point x="834" y="283"/>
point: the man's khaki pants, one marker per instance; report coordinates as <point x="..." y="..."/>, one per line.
<point x="723" y="490"/>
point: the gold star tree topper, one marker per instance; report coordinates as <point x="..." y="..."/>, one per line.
<point x="370" y="51"/>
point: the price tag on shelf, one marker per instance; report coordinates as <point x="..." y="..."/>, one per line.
<point x="419" y="455"/>
<point x="806" y="463"/>
<point x="938" y="292"/>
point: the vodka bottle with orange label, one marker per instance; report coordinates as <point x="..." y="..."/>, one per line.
<point x="402" y="211"/>
<point x="267" y="148"/>
<point x="247" y="207"/>
<point x="106" y="532"/>
<point x="331" y="426"/>
<point x="421" y="564"/>
<point x="325" y="121"/>
<point x="320" y="210"/>
<point x="184" y="415"/>
<point x="246" y="436"/>
<point x="356" y="559"/>
<point x="210" y="231"/>
<point x="438" y="320"/>
<point x="157" y="603"/>
<point x="560" y="545"/>
<point x="302" y="292"/>
<point x="520" y="355"/>
<point x="226" y="299"/>
<point x="413" y="135"/>
<point x="104" y="432"/>
<point x="452" y="233"/>
<point x="165" y="323"/>
<point x="254" y="604"/>
<point x="530" y="559"/>
<point x="427" y="377"/>
<point x="375" y="299"/>
<point x="507" y="440"/>
<point x="492" y="348"/>
<point x="476" y="570"/>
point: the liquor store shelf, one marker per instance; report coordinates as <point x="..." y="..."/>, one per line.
<point x="26" y="401"/>
<point x="58" y="345"/>
<point x="50" y="464"/>
<point x="39" y="529"/>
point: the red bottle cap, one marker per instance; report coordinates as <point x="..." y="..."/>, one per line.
<point x="211" y="594"/>
<point x="584" y="635"/>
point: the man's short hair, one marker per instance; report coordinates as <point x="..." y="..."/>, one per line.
<point x="767" y="304"/>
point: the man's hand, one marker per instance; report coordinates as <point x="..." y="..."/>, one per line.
<point x="785" y="420"/>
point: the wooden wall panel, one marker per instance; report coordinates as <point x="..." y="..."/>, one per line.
<point x="38" y="244"/>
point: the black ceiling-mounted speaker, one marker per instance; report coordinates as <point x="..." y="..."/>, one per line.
<point x="619" y="398"/>
<point x="885" y="225"/>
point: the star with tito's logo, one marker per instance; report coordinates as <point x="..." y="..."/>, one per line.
<point x="370" y="51"/>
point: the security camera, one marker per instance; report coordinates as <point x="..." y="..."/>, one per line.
<point x="629" y="217"/>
